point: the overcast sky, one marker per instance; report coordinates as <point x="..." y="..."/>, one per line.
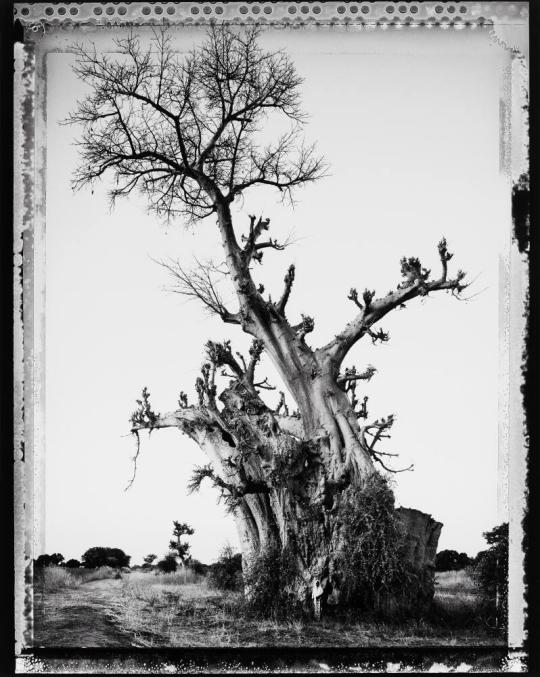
<point x="408" y="122"/>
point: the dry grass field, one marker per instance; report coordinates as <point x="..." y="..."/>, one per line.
<point x="83" y="608"/>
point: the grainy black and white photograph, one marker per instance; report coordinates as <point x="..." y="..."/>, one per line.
<point x="271" y="274"/>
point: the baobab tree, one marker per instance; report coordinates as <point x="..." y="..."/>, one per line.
<point x="185" y="132"/>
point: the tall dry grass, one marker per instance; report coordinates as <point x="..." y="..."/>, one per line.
<point x="457" y="601"/>
<point x="182" y="576"/>
<point x="175" y="609"/>
<point x="195" y="615"/>
<point x="98" y="574"/>
<point x="53" y="578"/>
<point x="455" y="581"/>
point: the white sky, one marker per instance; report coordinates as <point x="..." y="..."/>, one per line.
<point x="408" y="122"/>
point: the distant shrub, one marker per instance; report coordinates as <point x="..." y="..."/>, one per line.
<point x="168" y="564"/>
<point x="72" y="564"/>
<point x="99" y="557"/>
<point x="226" y="573"/>
<point x="199" y="568"/>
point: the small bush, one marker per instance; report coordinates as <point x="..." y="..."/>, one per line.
<point x="100" y="557"/>
<point x="167" y="564"/>
<point x="226" y="573"/>
<point x="199" y="568"/>
<point x="72" y="564"/>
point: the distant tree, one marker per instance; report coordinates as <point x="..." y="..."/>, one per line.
<point x="446" y="560"/>
<point x="464" y="560"/>
<point x="198" y="567"/>
<point x="451" y="560"/>
<point x="105" y="557"/>
<point x="49" y="560"/>
<point x="168" y="564"/>
<point x="148" y="560"/>
<point x="479" y="557"/>
<point x="181" y="549"/>
<point x="491" y="571"/>
<point x="226" y="573"/>
<point x="72" y="564"/>
<point x="43" y="561"/>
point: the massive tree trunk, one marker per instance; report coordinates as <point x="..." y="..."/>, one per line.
<point x="285" y="481"/>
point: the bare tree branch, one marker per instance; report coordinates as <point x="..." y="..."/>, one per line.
<point x="199" y="284"/>
<point x="416" y="283"/>
<point x="233" y="491"/>
<point x="289" y="279"/>
<point x="183" y="128"/>
<point x="305" y="327"/>
<point x="377" y="431"/>
<point x="352" y="375"/>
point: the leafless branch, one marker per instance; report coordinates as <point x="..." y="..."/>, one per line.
<point x="376" y="458"/>
<point x="289" y="279"/>
<point x="265" y="385"/>
<point x="352" y="375"/>
<point x="135" y="459"/>
<point x="233" y="491"/>
<point x="305" y="327"/>
<point x="199" y="283"/>
<point x="255" y="353"/>
<point x="221" y="355"/>
<point x="377" y="431"/>
<point x="416" y="282"/>
<point x="183" y="129"/>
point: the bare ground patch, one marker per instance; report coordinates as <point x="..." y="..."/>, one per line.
<point x="81" y="616"/>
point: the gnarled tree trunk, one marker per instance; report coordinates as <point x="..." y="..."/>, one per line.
<point x="284" y="481"/>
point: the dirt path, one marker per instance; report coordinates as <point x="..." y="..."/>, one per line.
<point x="79" y="617"/>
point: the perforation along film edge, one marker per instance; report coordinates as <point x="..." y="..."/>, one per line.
<point x="384" y="14"/>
